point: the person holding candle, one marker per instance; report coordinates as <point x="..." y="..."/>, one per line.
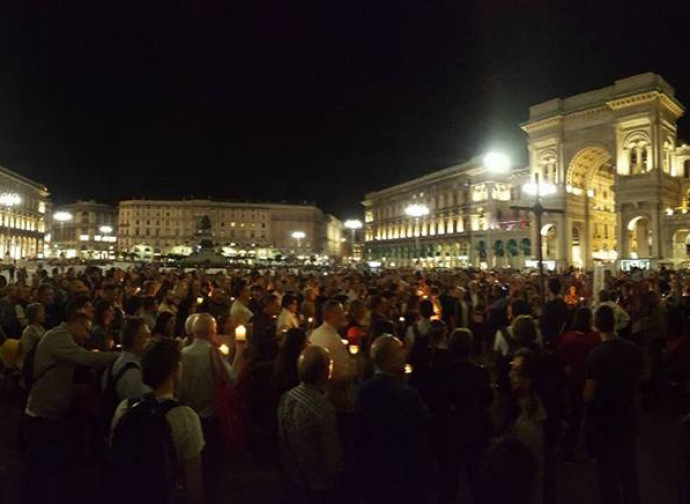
<point x="418" y="330"/>
<point x="196" y="388"/>
<point x="123" y="378"/>
<point x="288" y="315"/>
<point x="327" y="336"/>
<point x="240" y="312"/>
<point x="359" y="322"/>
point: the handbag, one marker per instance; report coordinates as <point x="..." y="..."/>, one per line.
<point x="228" y="406"/>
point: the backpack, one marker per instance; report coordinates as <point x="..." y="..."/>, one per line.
<point x="109" y="401"/>
<point x="142" y="465"/>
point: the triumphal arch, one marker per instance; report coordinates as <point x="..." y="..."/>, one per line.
<point x="615" y="169"/>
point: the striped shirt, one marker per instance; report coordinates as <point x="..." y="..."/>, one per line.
<point x="309" y="438"/>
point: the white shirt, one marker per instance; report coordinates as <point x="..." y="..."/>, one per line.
<point x="185" y="428"/>
<point x="622" y="317"/>
<point x="286" y="320"/>
<point x="327" y="337"/>
<point x="423" y="326"/>
<point x="240" y="314"/>
<point x="501" y="345"/>
<point x="130" y="384"/>
<point x="196" y="384"/>
<point x="31" y="335"/>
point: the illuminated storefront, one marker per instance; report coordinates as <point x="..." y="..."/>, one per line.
<point x="23" y="208"/>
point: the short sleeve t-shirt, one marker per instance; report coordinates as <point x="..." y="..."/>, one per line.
<point x="185" y="428"/>
<point x="615" y="365"/>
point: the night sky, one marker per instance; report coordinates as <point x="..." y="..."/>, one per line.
<point x="299" y="100"/>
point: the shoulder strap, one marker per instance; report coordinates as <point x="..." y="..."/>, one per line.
<point x="168" y="405"/>
<point x="121" y="372"/>
<point x="509" y="339"/>
<point x="41" y="375"/>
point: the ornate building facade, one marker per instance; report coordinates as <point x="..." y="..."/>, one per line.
<point x="621" y="177"/>
<point x="23" y="207"/>
<point x="149" y="227"/>
<point x="470" y="221"/>
<point x="85" y="229"/>
<point x="609" y="167"/>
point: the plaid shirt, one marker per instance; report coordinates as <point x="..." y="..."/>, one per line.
<point x="309" y="438"/>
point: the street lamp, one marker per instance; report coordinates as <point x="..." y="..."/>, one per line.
<point x="538" y="190"/>
<point x="62" y="217"/>
<point x="416" y="210"/>
<point x="353" y="225"/>
<point x="299" y="236"/>
<point x="497" y="162"/>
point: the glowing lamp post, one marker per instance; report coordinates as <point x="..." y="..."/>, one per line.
<point x="62" y="217"/>
<point x="299" y="236"/>
<point x="416" y="210"/>
<point x="539" y="189"/>
<point x="497" y="162"/>
<point x="353" y="225"/>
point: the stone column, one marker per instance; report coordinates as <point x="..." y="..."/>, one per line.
<point x="563" y="234"/>
<point x="657" y="247"/>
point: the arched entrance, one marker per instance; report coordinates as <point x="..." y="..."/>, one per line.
<point x="576" y="143"/>
<point x="591" y="204"/>
<point x="639" y="231"/>
<point x="681" y="246"/>
<point x="549" y="242"/>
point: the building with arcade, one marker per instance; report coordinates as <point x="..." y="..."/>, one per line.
<point x="607" y="164"/>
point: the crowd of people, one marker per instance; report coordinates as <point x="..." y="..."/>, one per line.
<point x="396" y="386"/>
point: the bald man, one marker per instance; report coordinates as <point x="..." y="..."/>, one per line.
<point x="393" y="429"/>
<point x="328" y="337"/>
<point x="196" y="391"/>
<point x="308" y="430"/>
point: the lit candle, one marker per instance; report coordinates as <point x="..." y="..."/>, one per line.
<point x="408" y="368"/>
<point x="224" y="349"/>
<point x="240" y="333"/>
<point x="310" y="320"/>
<point x="402" y="319"/>
<point x="354" y="349"/>
<point x="199" y="300"/>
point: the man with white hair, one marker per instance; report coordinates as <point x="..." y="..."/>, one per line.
<point x="196" y="391"/>
<point x="188" y="325"/>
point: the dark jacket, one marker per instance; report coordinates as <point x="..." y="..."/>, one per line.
<point x="264" y="337"/>
<point x="392" y="443"/>
<point x="554" y="321"/>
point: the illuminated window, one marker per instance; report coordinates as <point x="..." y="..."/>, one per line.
<point x="479" y="192"/>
